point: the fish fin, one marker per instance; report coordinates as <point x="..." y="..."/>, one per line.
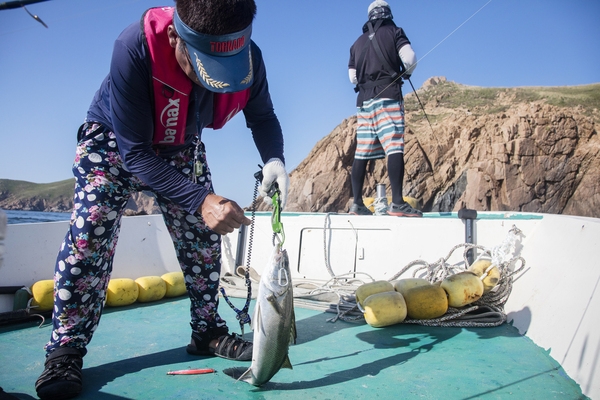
<point x="293" y="333"/>
<point x="236" y="373"/>
<point x="287" y="363"/>
<point x="257" y="318"/>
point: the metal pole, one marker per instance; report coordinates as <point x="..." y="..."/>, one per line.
<point x="468" y="216"/>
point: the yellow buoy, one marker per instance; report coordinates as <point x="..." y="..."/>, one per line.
<point x="426" y="302"/>
<point x="492" y="278"/>
<point x="384" y="309"/>
<point x="414" y="203"/>
<point x="43" y="295"/>
<point x="370" y="288"/>
<point x="462" y="288"/>
<point x="368" y="202"/>
<point x="402" y="285"/>
<point x="121" y="292"/>
<point x="151" y="288"/>
<point x="175" y="283"/>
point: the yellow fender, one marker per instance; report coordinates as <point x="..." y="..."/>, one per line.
<point x="370" y="288"/>
<point x="489" y="276"/>
<point x="175" y="284"/>
<point x="151" y="288"/>
<point x="384" y="309"/>
<point x="463" y="288"/>
<point x="402" y="285"/>
<point x="43" y="295"/>
<point x="121" y="292"/>
<point x="426" y="302"/>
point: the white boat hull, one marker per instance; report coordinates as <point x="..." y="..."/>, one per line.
<point x="553" y="302"/>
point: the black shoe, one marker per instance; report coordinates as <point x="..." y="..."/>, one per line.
<point x="230" y="346"/>
<point x="6" y="396"/>
<point x="61" y="378"/>
<point x="403" y="210"/>
<point x="359" y="210"/>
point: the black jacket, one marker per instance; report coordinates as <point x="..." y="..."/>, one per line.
<point x="369" y="68"/>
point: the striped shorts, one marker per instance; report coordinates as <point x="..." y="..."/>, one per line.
<point x="379" y="129"/>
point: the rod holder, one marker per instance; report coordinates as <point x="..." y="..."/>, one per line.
<point x="468" y="216"/>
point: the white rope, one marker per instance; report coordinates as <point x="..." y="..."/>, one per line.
<point x="380" y="205"/>
<point x="337" y="295"/>
<point x="487" y="311"/>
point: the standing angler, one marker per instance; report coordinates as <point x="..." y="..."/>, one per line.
<point x="177" y="71"/>
<point x="379" y="58"/>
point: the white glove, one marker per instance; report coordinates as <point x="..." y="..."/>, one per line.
<point x="274" y="171"/>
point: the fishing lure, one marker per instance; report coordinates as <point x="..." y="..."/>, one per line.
<point x="192" y="371"/>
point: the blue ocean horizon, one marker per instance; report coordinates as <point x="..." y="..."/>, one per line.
<point x="30" y="217"/>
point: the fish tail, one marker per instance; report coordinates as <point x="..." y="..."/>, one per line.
<point x="246" y="376"/>
<point x="239" y="373"/>
<point x="287" y="363"/>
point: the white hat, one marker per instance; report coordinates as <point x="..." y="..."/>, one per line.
<point x="379" y="9"/>
<point x="377" y="3"/>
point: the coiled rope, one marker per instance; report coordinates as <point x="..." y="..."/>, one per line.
<point x="486" y="312"/>
<point x="337" y="295"/>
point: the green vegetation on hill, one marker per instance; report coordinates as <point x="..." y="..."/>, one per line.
<point x="36" y="196"/>
<point x="481" y="100"/>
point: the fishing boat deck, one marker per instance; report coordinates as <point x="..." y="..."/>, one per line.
<point x="135" y="346"/>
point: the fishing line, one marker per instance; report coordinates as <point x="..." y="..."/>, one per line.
<point x="437" y="45"/>
<point x="454" y="31"/>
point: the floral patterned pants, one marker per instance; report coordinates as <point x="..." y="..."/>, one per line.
<point x="84" y="263"/>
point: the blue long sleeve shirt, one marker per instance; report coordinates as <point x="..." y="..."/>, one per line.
<point x="124" y="104"/>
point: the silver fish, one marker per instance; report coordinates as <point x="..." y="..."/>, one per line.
<point x="274" y="322"/>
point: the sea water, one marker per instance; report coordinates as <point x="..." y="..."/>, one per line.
<point x="28" y="217"/>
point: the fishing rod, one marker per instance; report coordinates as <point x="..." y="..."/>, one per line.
<point x="421" y="104"/>
<point x="7" y="5"/>
<point x="426" y="54"/>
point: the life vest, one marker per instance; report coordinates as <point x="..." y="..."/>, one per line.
<point x="172" y="87"/>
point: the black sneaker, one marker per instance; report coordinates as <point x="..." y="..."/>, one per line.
<point x="403" y="210"/>
<point x="61" y="378"/>
<point x="359" y="210"/>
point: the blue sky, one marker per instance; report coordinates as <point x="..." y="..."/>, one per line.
<point x="49" y="76"/>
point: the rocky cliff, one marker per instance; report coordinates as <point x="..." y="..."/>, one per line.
<point x="27" y="196"/>
<point x="522" y="149"/>
<point x="58" y="197"/>
<point x="488" y="149"/>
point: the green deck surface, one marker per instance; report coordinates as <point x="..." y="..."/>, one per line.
<point x="134" y="348"/>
